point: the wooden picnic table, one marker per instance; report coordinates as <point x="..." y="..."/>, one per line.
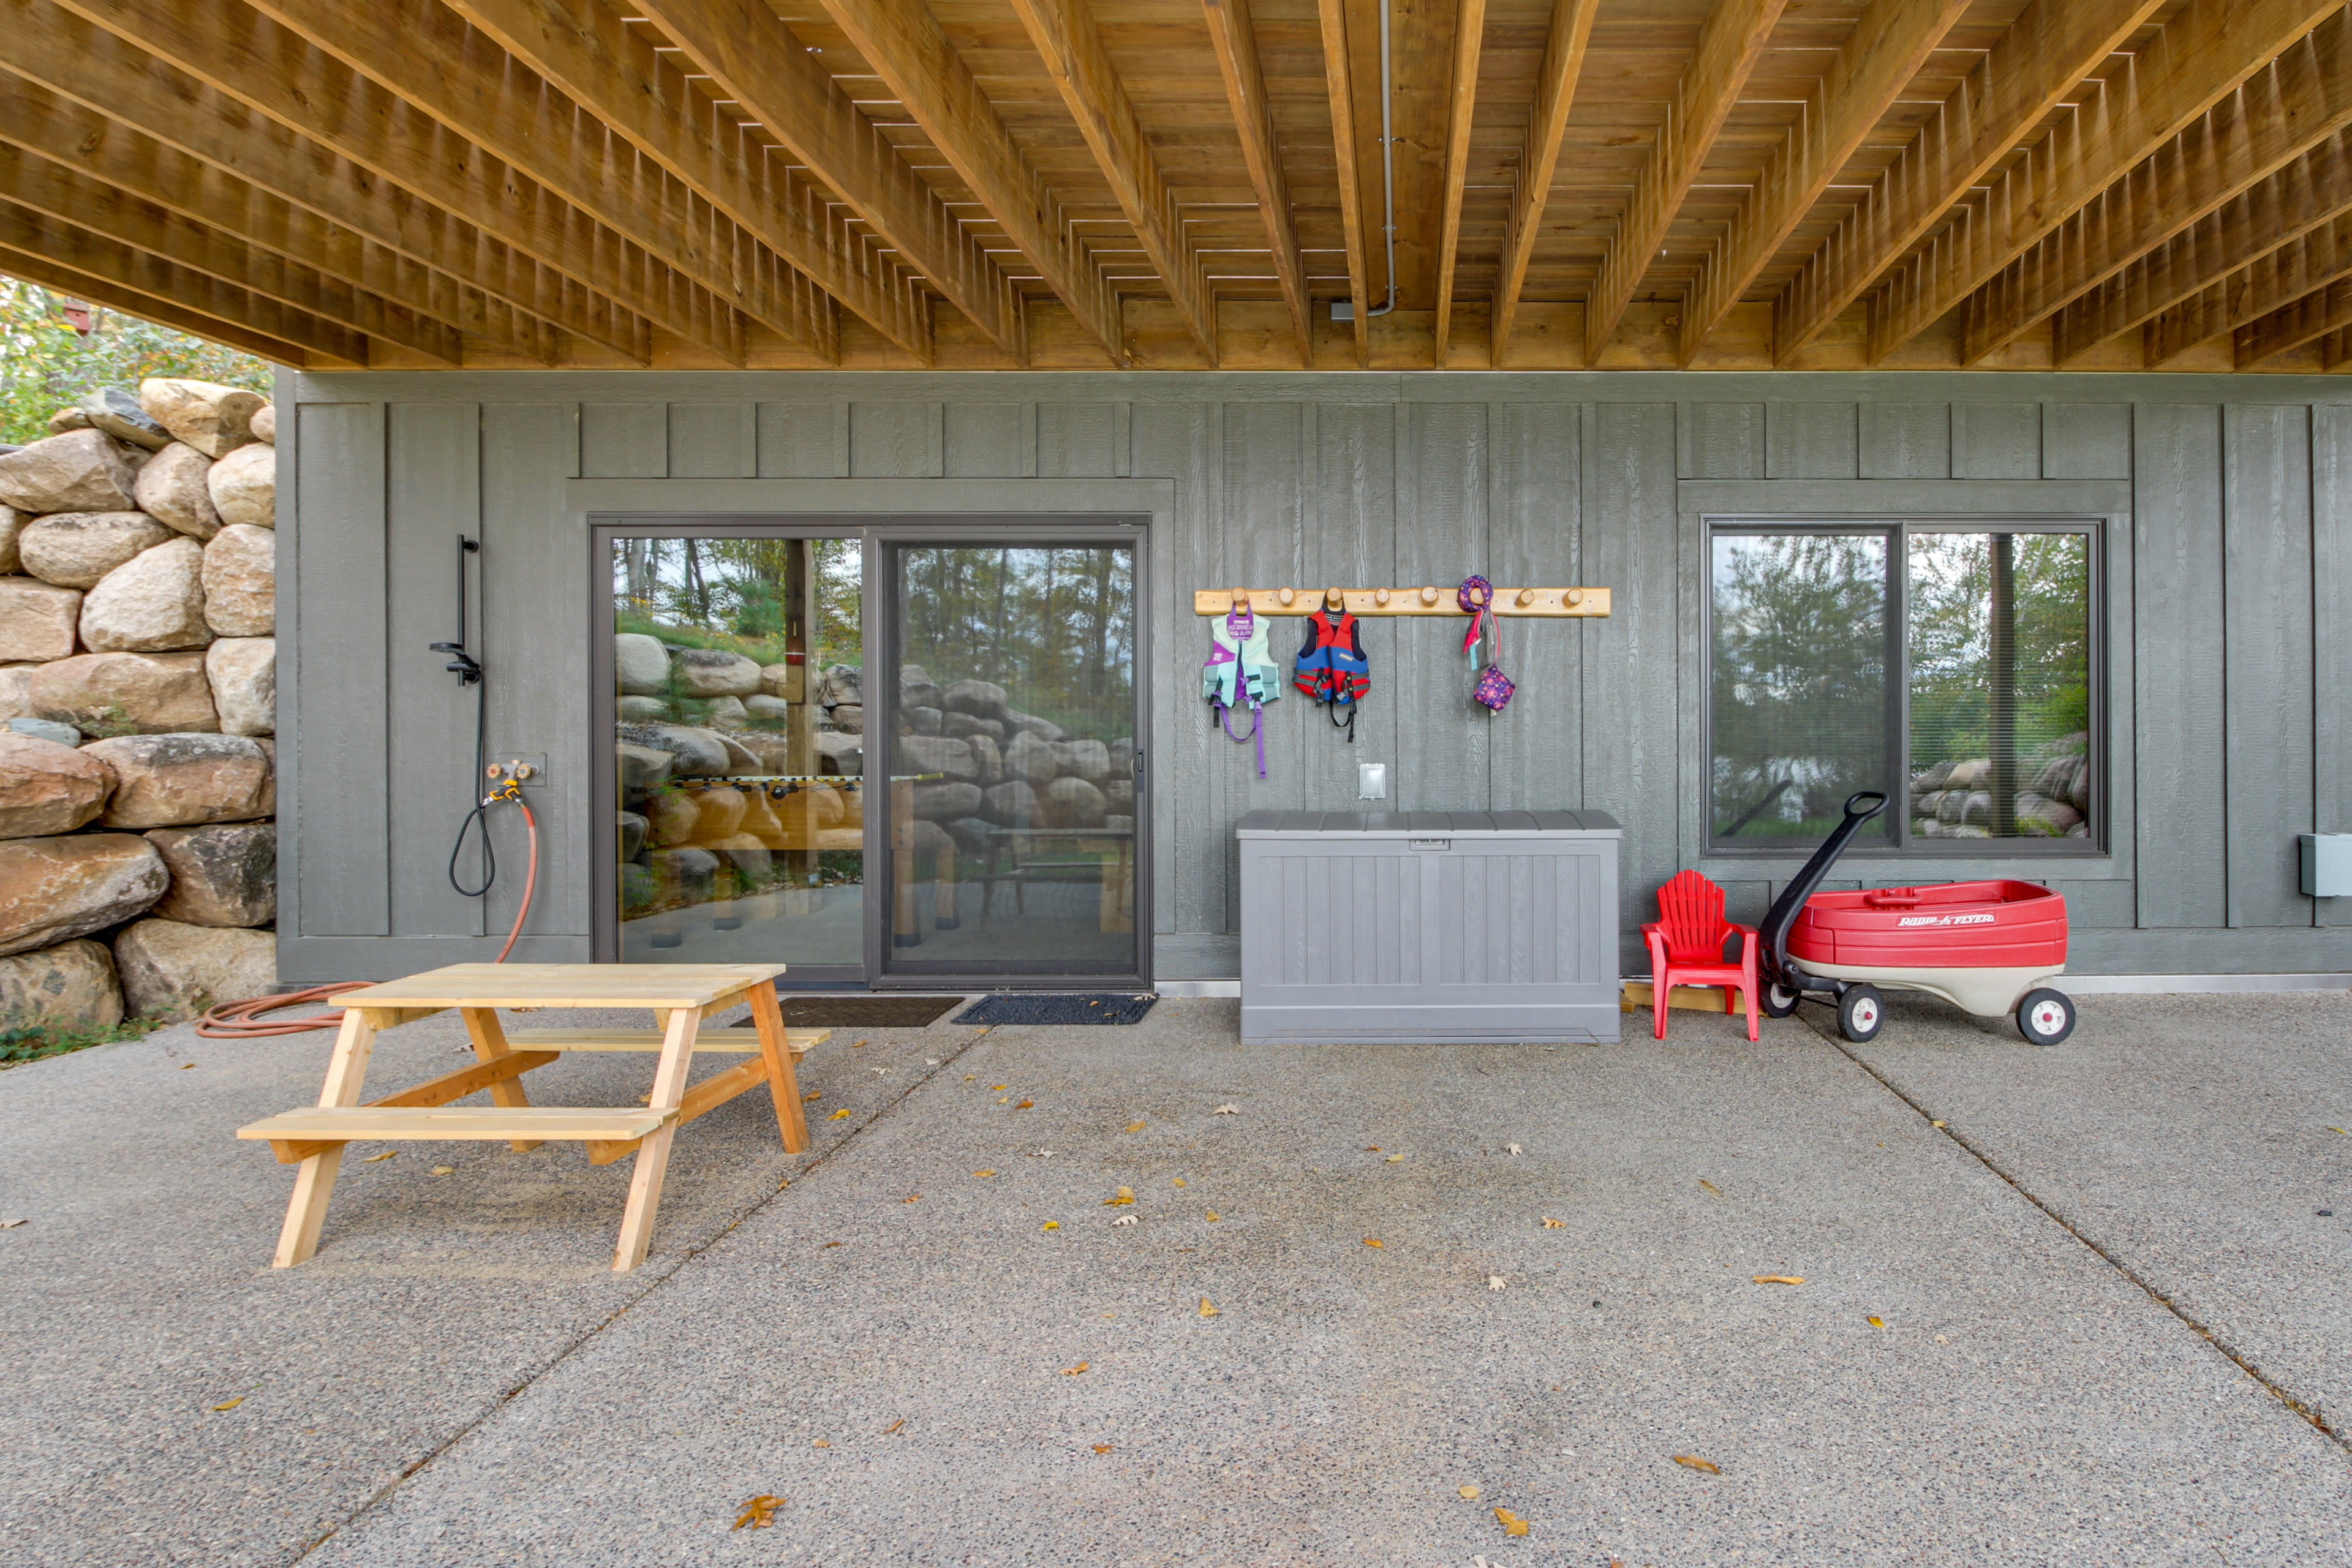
<point x="681" y="995"/>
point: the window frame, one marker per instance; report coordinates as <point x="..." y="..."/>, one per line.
<point x="1899" y="842"/>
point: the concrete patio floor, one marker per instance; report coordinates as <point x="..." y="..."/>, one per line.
<point x="2101" y="1290"/>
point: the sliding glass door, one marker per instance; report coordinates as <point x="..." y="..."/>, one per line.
<point x="790" y="707"/>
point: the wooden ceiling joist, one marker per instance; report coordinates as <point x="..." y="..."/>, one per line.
<point x="2280" y="209"/>
<point x="1234" y="37"/>
<point x="1565" y="47"/>
<point x="1080" y="68"/>
<point x="117" y="82"/>
<point x="172" y="311"/>
<point x="1891" y="41"/>
<point x="1469" y="41"/>
<point x="139" y="168"/>
<point x="2295" y="106"/>
<point x="2320" y="314"/>
<point x="904" y="43"/>
<point x="1339" y="88"/>
<point x="617" y="75"/>
<point x="769" y="74"/>
<point x="2263" y="288"/>
<point x="1731" y="41"/>
<point x="2193" y="62"/>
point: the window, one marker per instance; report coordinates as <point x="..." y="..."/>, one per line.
<point x="1946" y="663"/>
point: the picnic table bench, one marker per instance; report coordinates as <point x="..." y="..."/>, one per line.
<point x="681" y="995"/>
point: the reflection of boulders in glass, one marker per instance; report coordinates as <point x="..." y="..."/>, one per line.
<point x="843" y="754"/>
<point x="981" y="699"/>
<point x="643" y="709"/>
<point x="921" y="721"/>
<point x="943" y="802"/>
<point x="1044" y="729"/>
<point x="1031" y="759"/>
<point x="987" y="759"/>
<point x="1072" y="803"/>
<point x="937" y="755"/>
<point x="963" y="725"/>
<point x="714" y="672"/>
<point x="917" y="689"/>
<point x="850" y="719"/>
<point x="695" y="753"/>
<point x="1953" y="799"/>
<point x="633" y="834"/>
<point x="970" y="833"/>
<point x="640" y="664"/>
<point x="1013" y="804"/>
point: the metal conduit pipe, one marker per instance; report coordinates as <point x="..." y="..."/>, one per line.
<point x="1387" y="160"/>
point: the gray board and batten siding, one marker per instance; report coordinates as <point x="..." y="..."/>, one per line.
<point x="2227" y="511"/>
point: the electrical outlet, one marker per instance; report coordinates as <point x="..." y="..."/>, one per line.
<point x="1371" y="781"/>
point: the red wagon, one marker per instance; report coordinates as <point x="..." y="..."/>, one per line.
<point x="1989" y="947"/>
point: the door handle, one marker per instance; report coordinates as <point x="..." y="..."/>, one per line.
<point x="1138" y="765"/>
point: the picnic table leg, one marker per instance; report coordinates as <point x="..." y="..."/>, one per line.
<point x="653" y="1151"/>
<point x="783" y="1083"/>
<point x="489" y="1044"/>
<point x="314" y="1179"/>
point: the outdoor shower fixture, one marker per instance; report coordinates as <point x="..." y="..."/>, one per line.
<point x="461" y="664"/>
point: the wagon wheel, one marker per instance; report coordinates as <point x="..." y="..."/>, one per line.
<point x="1861" y="1011"/>
<point x="2045" y="1016"/>
<point x="1777" y="1001"/>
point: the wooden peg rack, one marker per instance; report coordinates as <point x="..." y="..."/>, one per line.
<point x="1403" y="601"/>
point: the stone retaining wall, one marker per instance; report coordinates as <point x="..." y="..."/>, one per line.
<point x="138" y="707"/>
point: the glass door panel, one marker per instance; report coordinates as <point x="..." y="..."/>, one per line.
<point x="1012" y="843"/>
<point x="739" y="750"/>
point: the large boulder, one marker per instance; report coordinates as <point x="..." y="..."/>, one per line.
<point x="1013" y="804"/>
<point x="772" y="751"/>
<point x="243" y="672"/>
<point x="15" y="700"/>
<point x="840" y="683"/>
<point x="126" y="693"/>
<point x="115" y="411"/>
<point x="987" y="759"/>
<point x="1119" y="795"/>
<point x="724" y="713"/>
<point x="1087" y="760"/>
<point x="222" y="875"/>
<point x="46" y="788"/>
<point x="945" y="802"/>
<point x="915" y="688"/>
<point x="970" y="833"/>
<point x="849" y="718"/>
<point x="264" y="424"/>
<point x="153" y="603"/>
<point x="640" y="664"/>
<point x="244" y="487"/>
<point x="82" y="470"/>
<point x="714" y="672"/>
<point x="47" y="730"/>
<point x="12" y="523"/>
<point x="670" y="817"/>
<point x="173" y="488"/>
<point x="68" y="986"/>
<point x="631" y="834"/>
<point x="920" y="720"/>
<point x="52" y="889"/>
<point x="843" y="754"/>
<point x="642" y="709"/>
<point x="1074" y="803"/>
<point x="1031" y="760"/>
<point x="240" y="582"/>
<point x="768" y="712"/>
<point x="684" y="875"/>
<point x="980" y="699"/>
<point x="69" y="418"/>
<point x="38" y="619"/>
<point x="742" y="760"/>
<point x="77" y="549"/>
<point x="172" y="970"/>
<point x="1044" y="729"/>
<point x="171" y="780"/>
<point x="695" y="753"/>
<point x="643" y="767"/>
<point x="959" y="725"/>
<point x="214" y="419"/>
<point x="784" y="683"/>
<point x="937" y="755"/>
<point x="717" y="813"/>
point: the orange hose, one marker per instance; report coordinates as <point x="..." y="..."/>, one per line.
<point x="243" y="1020"/>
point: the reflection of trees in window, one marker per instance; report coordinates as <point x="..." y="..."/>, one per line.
<point x="1055" y="628"/>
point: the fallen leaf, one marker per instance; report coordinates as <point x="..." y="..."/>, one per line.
<point x="1780" y="1279"/>
<point x="1041" y="1153"/>
<point x="372" y="1159"/>
<point x="1496" y="1282"/>
<point x="1207" y="1309"/>
<point x="1135" y="1127"/>
<point x="1025" y="1105"/>
<point x="912" y="1198"/>
<point x="1006" y="1099"/>
<point x="1214" y="1217"/>
<point x="230" y="1404"/>
<point x="12" y="1224"/>
<point x="983" y="1172"/>
<point x="758" y="1511"/>
<point x="994" y="1086"/>
<point x="1935" y="1124"/>
<point x="1513" y="1149"/>
<point x="1073" y="1371"/>
<point x="1180" y="1181"/>
<point x="1124" y="1219"/>
<point x="855" y="1043"/>
<point x="1551" y="1224"/>
<point x="812" y="1094"/>
<point x="186" y="1066"/>
<point x="1941" y="1340"/>
<point x="838" y="1114"/>
<point x="829" y="1244"/>
<point x="1393" y="1159"/>
<point x="1051" y="1225"/>
<point x="971" y="1078"/>
<point x="1695" y="1463"/>
<point x="1374" y="1241"/>
<point x="1710" y="1186"/>
<point x="893" y="1425"/>
<point x="1102" y="1447"/>
<point x="1372" y="1148"/>
<point x="1875" y="1322"/>
<point x="1471" y="1493"/>
<point x="1511" y="1523"/>
<point x="1226" y="1111"/>
<point x="1126" y="1195"/>
<point x="821" y="1443"/>
<point x="2339" y="1129"/>
<point x="443" y="1170"/>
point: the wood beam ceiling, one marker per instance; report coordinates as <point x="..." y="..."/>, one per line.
<point x="1234" y="37"/>
<point x="1469" y="39"/>
<point x="171" y="310"/>
<point x="902" y="41"/>
<point x="1347" y="151"/>
<point x="2322" y="314"/>
<point x="1731" y="41"/>
<point x="2193" y="62"/>
<point x="2268" y="285"/>
<point x="1565" y="47"/>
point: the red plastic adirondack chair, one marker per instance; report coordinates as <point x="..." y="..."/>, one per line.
<point x="1686" y="947"/>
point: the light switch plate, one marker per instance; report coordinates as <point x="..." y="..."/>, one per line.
<point x="1371" y="781"/>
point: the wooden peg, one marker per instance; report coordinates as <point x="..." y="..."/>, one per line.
<point x="1241" y="599"/>
<point x="1286" y="596"/>
<point x="1381" y="597"/>
<point x="1429" y="596"/>
<point x="1334" y="600"/>
<point x="1527" y="597"/>
<point x="1576" y="595"/>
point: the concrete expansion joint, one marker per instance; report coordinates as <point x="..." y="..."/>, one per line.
<point x="2310" y="1413"/>
<point x="588" y="1335"/>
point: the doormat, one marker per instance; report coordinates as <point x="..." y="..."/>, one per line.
<point x="856" y="1012"/>
<point x="1079" y="1007"/>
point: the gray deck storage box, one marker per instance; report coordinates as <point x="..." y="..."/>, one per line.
<point x="1437" y="926"/>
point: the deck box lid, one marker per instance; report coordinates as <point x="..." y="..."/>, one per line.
<point x="1430" y="823"/>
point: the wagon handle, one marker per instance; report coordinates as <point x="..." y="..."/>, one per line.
<point x="1891" y="897"/>
<point x="1773" y="935"/>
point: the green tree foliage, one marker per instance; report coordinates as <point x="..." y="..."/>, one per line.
<point x="1950" y="611"/>
<point x="45" y="362"/>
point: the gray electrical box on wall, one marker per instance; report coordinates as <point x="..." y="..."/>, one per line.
<point x="1428" y="926"/>
<point x="2328" y="864"/>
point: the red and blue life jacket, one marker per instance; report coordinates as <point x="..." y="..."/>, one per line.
<point x="1332" y="668"/>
